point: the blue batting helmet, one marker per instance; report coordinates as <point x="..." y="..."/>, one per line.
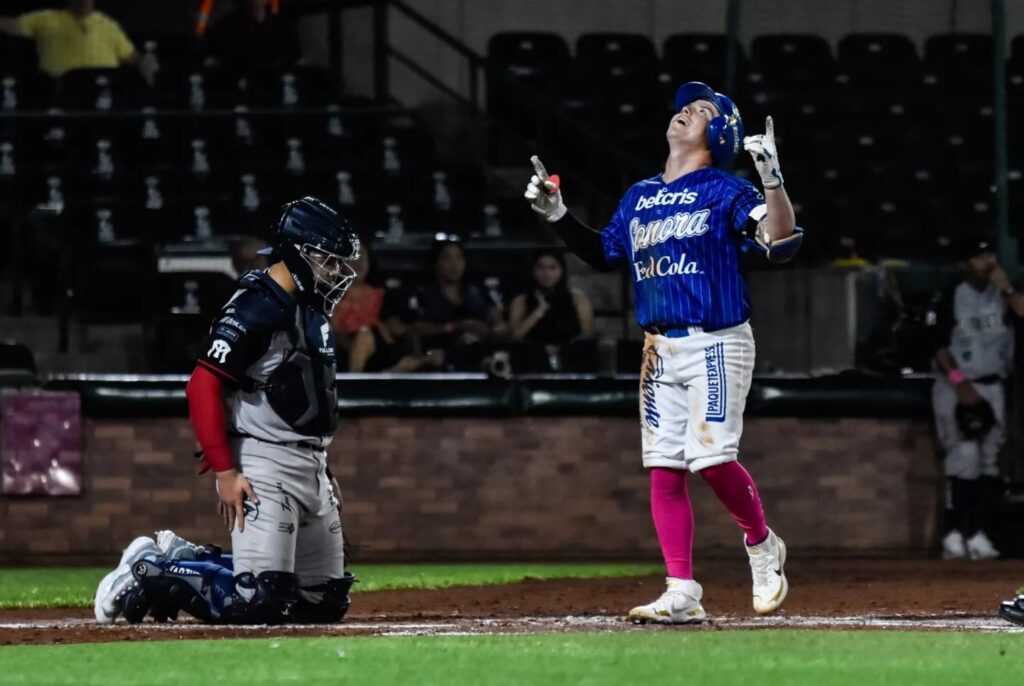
<point x="725" y="132"/>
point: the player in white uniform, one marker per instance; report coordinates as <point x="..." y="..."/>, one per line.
<point x="974" y="356"/>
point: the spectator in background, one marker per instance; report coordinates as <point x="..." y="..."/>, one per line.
<point x="77" y="37"/>
<point x="454" y="316"/>
<point x="974" y="356"/>
<point x="368" y="327"/>
<point x="551" y="315"/>
<point x="252" y="38"/>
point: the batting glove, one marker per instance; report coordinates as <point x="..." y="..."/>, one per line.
<point x="766" y="159"/>
<point x="544" y="194"/>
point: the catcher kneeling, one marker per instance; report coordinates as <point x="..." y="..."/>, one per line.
<point x="263" y="406"/>
<point x="165" y="575"/>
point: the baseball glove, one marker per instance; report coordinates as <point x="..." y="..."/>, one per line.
<point x="975" y="421"/>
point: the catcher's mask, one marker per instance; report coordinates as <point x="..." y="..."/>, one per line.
<point x="318" y="246"/>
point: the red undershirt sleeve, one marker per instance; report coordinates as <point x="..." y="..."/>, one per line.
<point x="205" y="393"/>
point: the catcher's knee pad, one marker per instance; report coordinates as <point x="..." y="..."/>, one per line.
<point x="327" y="602"/>
<point x="267" y="598"/>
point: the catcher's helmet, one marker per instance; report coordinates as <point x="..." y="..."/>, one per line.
<point x="317" y="245"/>
<point x="725" y="132"/>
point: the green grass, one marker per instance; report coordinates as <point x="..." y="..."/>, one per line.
<point x="24" y="588"/>
<point x="668" y="657"/>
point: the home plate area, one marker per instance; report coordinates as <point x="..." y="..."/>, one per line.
<point x="830" y="593"/>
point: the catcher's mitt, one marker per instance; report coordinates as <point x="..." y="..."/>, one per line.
<point x="975" y="421"/>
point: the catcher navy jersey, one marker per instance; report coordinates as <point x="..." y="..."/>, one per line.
<point x="682" y="241"/>
<point x="278" y="359"/>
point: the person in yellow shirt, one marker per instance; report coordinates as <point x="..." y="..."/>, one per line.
<point x="77" y="37"/>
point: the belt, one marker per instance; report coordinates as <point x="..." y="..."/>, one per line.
<point x="674" y="332"/>
<point x="988" y="379"/>
<point x="309" y="445"/>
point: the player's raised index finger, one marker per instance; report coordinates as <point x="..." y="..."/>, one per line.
<point x="538" y="167"/>
<point x="769" y="126"/>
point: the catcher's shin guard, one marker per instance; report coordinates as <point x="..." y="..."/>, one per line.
<point x="324" y="603"/>
<point x="202" y="589"/>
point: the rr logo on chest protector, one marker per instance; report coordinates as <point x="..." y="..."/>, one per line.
<point x="219" y="351"/>
<point x="714" y="364"/>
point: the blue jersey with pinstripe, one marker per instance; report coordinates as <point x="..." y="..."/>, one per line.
<point x="682" y="241"/>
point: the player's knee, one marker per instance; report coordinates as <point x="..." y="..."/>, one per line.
<point x="326" y="602"/>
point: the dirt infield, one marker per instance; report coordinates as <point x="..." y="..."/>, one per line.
<point x="826" y="593"/>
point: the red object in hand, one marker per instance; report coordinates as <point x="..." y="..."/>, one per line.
<point x="555" y="179"/>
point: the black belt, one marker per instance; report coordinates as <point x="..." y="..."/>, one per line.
<point x="988" y="379"/>
<point x="309" y="445"/>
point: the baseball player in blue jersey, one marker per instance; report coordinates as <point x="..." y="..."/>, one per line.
<point x="680" y="235"/>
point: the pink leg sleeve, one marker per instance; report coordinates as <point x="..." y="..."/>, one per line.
<point x="673" y="520"/>
<point x="735" y="488"/>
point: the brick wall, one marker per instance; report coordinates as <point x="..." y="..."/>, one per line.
<point x="525" y="487"/>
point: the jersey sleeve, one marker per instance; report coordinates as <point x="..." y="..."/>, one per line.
<point x="614" y="237"/>
<point x="123" y="47"/>
<point x="31" y="23"/>
<point x="747" y="210"/>
<point x="240" y="336"/>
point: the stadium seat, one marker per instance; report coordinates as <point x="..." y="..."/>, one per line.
<point x="299" y="86"/>
<point x="155" y="142"/>
<point x="874" y="62"/>
<point x="101" y="272"/>
<point x="793" y="60"/>
<point x="196" y="88"/>
<point x="699" y="57"/>
<point x="101" y="89"/>
<point x="21" y="91"/>
<point x="962" y="61"/>
<point x="18" y="55"/>
<point x="619" y="64"/>
<point x="522" y="67"/>
<point x="172" y="52"/>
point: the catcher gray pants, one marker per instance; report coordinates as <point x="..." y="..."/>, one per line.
<point x="969" y="459"/>
<point x="296" y="527"/>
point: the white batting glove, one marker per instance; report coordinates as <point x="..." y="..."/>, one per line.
<point x="544" y="194"/>
<point x="766" y="158"/>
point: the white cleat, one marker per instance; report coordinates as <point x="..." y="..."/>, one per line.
<point x="979" y="547"/>
<point x="953" y="546"/>
<point x="767" y="559"/>
<point x="680" y="604"/>
<point x="114" y="586"/>
<point x="177" y="548"/>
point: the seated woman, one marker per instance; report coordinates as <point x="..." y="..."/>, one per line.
<point x="368" y="328"/>
<point x="454" y="315"/>
<point x="551" y="316"/>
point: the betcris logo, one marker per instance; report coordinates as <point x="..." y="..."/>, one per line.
<point x="666" y="265"/>
<point x="686" y="197"/>
<point x="657" y="231"/>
